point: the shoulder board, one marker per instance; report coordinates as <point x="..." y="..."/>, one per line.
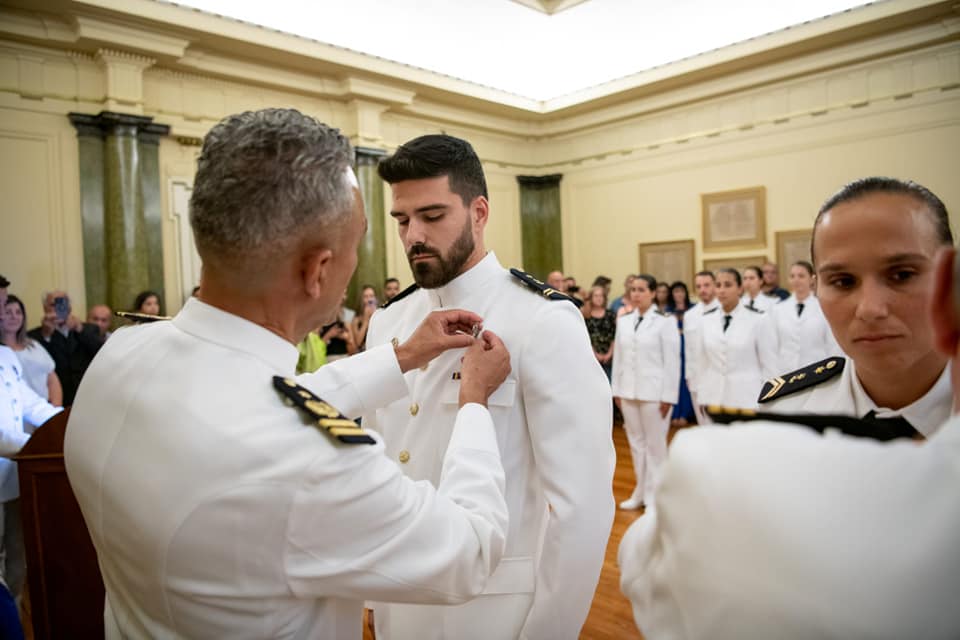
<point x="846" y="424"/>
<point x="710" y="311"/>
<point x="140" y="318"/>
<point x="546" y="291"/>
<point x="661" y="313"/>
<point x="331" y="421"/>
<point x="754" y="309"/>
<point x="801" y="379"/>
<point x="400" y="296"/>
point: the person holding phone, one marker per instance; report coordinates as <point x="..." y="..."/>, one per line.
<point x="361" y="321"/>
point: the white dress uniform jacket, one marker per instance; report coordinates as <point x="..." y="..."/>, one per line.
<point x="692" y="322"/>
<point x="646" y="360"/>
<point x="771" y="531"/>
<point x="802" y="338"/>
<point x="844" y="395"/>
<point x="553" y="421"/>
<point x="735" y="362"/>
<point x="18" y="402"/>
<point x="217" y="511"/>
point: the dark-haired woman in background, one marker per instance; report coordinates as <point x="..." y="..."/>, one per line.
<point x="803" y="335"/>
<point x="361" y="321"/>
<point x="147" y="302"/>
<point x="601" y="325"/>
<point x="38" y="366"/>
<point x="662" y="299"/>
<point x="753" y="296"/>
<point x="738" y="349"/>
<point x="646" y="379"/>
<point x="683" y="413"/>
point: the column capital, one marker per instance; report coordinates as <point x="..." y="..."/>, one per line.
<point x="540" y="182"/>
<point x="111" y="122"/>
<point x="124" y="79"/>
<point x="368" y="155"/>
<point x="364" y="127"/>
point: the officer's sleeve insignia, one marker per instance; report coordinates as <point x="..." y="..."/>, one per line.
<point x="140" y="318"/>
<point x="859" y="428"/>
<point x="400" y="296"/>
<point x="546" y="291"/>
<point x="326" y="417"/>
<point x="706" y="313"/>
<point x="801" y="379"/>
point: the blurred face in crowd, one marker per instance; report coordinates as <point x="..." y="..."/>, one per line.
<point x="12" y="316"/>
<point x="55" y="311"/>
<point x="663" y="294"/>
<point x="752" y="282"/>
<point x="441" y="235"/>
<point x="728" y="291"/>
<point x="598" y="298"/>
<point x="391" y="289"/>
<point x="801" y="282"/>
<point x="151" y="305"/>
<point x="368" y="298"/>
<point x="555" y="280"/>
<point x="874" y="262"/>
<point x="100" y="316"/>
<point x="569" y="284"/>
<point x="679" y="296"/>
<point x="706" y="288"/>
<point x="641" y="296"/>
<point x="771" y="275"/>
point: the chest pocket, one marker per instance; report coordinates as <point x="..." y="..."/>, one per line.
<point x="504" y="396"/>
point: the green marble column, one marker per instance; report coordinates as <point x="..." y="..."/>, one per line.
<point x="371" y="255"/>
<point x="120" y="196"/>
<point x="541" y="234"/>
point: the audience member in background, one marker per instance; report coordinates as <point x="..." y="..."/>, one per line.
<point x="313" y="352"/>
<point x="625" y="298"/>
<point x="102" y="316"/>
<point x="338" y="337"/>
<point x="683" y="411"/>
<point x="705" y="284"/>
<point x="803" y="335"/>
<point x="753" y="295"/>
<point x="771" y="530"/>
<point x="361" y="322"/>
<point x="737" y="347"/>
<point x="874" y="244"/>
<point x="71" y="343"/>
<point x="662" y="298"/>
<point x="605" y="282"/>
<point x="555" y="280"/>
<point x="571" y="289"/>
<point x="38" y="366"/>
<point x="18" y="403"/>
<point x="602" y="327"/>
<point x="771" y="282"/>
<point x="147" y="302"/>
<point x="391" y="287"/>
<point x="646" y="378"/>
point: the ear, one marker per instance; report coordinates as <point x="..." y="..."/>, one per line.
<point x="315" y="271"/>
<point x="480" y="211"/>
<point x="943" y="313"/>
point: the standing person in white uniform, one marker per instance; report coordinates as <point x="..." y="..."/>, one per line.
<point x="225" y="500"/>
<point x="874" y="244"/>
<point x="705" y="284"/>
<point x="646" y="378"/>
<point x="738" y="349"/>
<point x="769" y="530"/>
<point x="803" y="335"/>
<point x="552" y="415"/>
<point x="753" y="296"/>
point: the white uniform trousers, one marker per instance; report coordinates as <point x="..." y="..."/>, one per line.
<point x="647" y="433"/>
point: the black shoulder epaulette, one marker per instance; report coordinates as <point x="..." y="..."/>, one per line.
<point x="875" y="430"/>
<point x="335" y="424"/>
<point x="754" y="309"/>
<point x="798" y="380"/>
<point x="140" y="318"/>
<point x="400" y="296"/>
<point x="657" y="311"/>
<point x="545" y="290"/>
<point x="710" y="311"/>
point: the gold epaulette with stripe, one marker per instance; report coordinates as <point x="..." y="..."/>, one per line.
<point x="543" y="289"/>
<point x="881" y="430"/>
<point x="327" y="418"/>
<point x="140" y="318"/>
<point x="801" y="379"/>
<point x="400" y="296"/>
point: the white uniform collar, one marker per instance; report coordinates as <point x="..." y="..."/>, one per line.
<point x="926" y="414"/>
<point x="713" y="304"/>
<point x="456" y="292"/>
<point x="233" y="332"/>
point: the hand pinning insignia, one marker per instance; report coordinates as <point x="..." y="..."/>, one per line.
<point x="801" y="379"/>
<point x="327" y="418"/>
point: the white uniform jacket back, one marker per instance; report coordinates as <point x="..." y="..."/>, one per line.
<point x="217" y="511"/>
<point x="802" y="339"/>
<point x="553" y="419"/>
<point x="692" y="321"/>
<point x="646" y="357"/>
<point x="774" y="531"/>
<point x="735" y="362"/>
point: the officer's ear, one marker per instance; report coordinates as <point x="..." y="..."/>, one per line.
<point x="944" y="315"/>
<point x="315" y="266"/>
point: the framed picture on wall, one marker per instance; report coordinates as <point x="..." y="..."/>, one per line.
<point x="668" y="261"/>
<point x="734" y="219"/>
<point x="739" y="263"/>
<point x="793" y="246"/>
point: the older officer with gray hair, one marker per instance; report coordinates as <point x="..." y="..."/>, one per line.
<point x="227" y="499"/>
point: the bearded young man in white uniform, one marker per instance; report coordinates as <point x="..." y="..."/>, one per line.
<point x="217" y="510"/>
<point x="552" y="415"/>
<point x="874" y="244"/>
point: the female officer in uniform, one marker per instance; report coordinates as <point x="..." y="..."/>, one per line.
<point x="753" y="295"/>
<point x="737" y="348"/>
<point x="803" y="335"/>
<point x="646" y="378"/>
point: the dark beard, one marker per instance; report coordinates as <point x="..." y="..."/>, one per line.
<point x="432" y="274"/>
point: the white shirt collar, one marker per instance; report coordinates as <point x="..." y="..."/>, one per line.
<point x="707" y="306"/>
<point x="926" y="414"/>
<point x="233" y="332"/>
<point x="456" y="292"/>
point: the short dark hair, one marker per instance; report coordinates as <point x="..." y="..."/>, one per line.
<point x="679" y="284"/>
<point x="389" y="280"/>
<point x="709" y="274"/>
<point x="601" y="281"/>
<point x="734" y="273"/>
<point x="806" y="266"/>
<point x="878" y="184"/>
<point x="649" y="279"/>
<point x="756" y="269"/>
<point x="436" y="155"/>
<point x="4" y="283"/>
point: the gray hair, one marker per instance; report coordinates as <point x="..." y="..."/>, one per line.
<point x="263" y="177"/>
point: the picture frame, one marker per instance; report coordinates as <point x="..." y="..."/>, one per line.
<point x="734" y="219"/>
<point x="793" y="246"/>
<point x="737" y="262"/>
<point x="668" y="261"/>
